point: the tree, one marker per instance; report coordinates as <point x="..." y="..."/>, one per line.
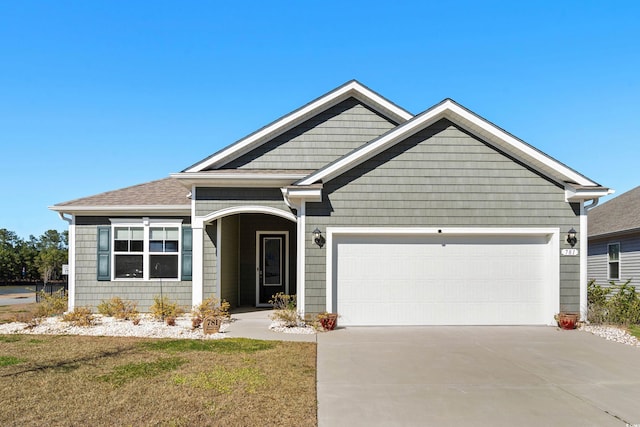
<point x="9" y="264"/>
<point x="52" y="253"/>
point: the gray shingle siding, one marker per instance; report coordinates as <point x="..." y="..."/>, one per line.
<point x="319" y="140"/>
<point x="441" y="176"/>
<point x="210" y="200"/>
<point x="90" y="292"/>
<point x="598" y="259"/>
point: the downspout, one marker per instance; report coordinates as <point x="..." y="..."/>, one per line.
<point x="584" y="249"/>
<point x="71" y="277"/>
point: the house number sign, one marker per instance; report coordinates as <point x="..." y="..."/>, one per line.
<point x="569" y="252"/>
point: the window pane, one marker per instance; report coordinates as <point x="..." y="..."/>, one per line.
<point x="614" y="252"/>
<point x="129" y="266"/>
<point x="172" y="233"/>
<point x="121" y="246"/>
<point x="164" y="266"/>
<point x="155" y="246"/>
<point x="122" y="233"/>
<point x="137" y="246"/>
<point x="137" y="233"/>
<point x="614" y="270"/>
<point x="156" y="234"/>
<point x="171" y="246"/>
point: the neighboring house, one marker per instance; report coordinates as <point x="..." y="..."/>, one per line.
<point x="614" y="239"/>
<point x="438" y="218"/>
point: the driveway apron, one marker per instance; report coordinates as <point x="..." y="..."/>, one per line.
<point x="475" y="376"/>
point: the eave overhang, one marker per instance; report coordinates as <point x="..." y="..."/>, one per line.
<point x="119" y="210"/>
<point x="577" y="193"/>
<point x="234" y="179"/>
<point x="295" y="195"/>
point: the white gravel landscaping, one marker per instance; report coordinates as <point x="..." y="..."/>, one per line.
<point x="612" y="333"/>
<point x="109" y="326"/>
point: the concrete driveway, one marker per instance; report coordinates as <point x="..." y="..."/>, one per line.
<point x="475" y="376"/>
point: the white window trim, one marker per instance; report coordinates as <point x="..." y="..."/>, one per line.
<point x="618" y="261"/>
<point x="146" y="224"/>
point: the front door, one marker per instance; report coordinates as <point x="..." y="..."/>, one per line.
<point x="272" y="265"/>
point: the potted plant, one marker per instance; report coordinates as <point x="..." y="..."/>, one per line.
<point x="328" y="321"/>
<point x="567" y="320"/>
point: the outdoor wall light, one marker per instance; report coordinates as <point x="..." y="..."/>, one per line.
<point x="571" y="237"/>
<point x="318" y="238"/>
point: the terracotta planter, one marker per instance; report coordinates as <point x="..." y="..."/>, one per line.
<point x="567" y="320"/>
<point x="329" y="321"/>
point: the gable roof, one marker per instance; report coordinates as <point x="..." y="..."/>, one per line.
<point x="351" y="89"/>
<point x="485" y="130"/>
<point x="166" y="195"/>
<point x="617" y="215"/>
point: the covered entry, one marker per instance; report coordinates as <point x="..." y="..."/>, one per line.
<point x="248" y="257"/>
<point x="510" y="278"/>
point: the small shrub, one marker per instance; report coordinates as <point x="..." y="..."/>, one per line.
<point x="51" y="304"/>
<point x="285" y="310"/>
<point x="210" y="307"/>
<point x="118" y="308"/>
<point x="80" y="316"/>
<point x="163" y="307"/>
<point x="618" y="304"/>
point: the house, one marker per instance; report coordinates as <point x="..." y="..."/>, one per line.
<point x="614" y="239"/>
<point x="356" y="206"/>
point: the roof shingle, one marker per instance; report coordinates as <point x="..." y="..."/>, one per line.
<point x="617" y="215"/>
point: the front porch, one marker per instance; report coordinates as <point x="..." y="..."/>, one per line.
<point x="246" y="257"/>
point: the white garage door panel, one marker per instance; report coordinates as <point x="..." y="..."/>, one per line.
<point x="483" y="280"/>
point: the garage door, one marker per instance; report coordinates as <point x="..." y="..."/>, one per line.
<point x="438" y="280"/>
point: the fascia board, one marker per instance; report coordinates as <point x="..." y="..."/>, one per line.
<point x="235" y="180"/>
<point x="120" y="209"/>
<point x="291" y="120"/>
<point x="575" y="195"/>
<point x="471" y="122"/>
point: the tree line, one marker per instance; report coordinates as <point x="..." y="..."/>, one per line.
<point x="36" y="259"/>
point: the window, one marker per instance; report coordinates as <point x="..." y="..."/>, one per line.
<point x="128" y="244"/>
<point x="163" y="252"/>
<point x="614" y="261"/>
<point x="144" y="249"/>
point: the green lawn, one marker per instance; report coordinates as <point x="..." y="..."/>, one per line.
<point x="108" y="381"/>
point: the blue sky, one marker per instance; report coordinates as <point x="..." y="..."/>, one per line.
<point x="98" y="95"/>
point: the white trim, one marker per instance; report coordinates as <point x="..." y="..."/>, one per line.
<point x="289" y="121"/>
<point x="201" y="220"/>
<point x="584" y="249"/>
<point x="473" y="123"/>
<point x="71" y="278"/>
<point x="263" y="180"/>
<point x="572" y="194"/>
<point x="197" y="264"/>
<point x="552" y="290"/>
<point x="130" y="209"/>
<point x="300" y="257"/>
<point x="287" y="267"/>
<point x="219" y="244"/>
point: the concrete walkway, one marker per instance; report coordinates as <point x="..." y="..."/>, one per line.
<point x="475" y="376"/>
<point x="255" y="324"/>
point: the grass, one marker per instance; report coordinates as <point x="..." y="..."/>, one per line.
<point x="635" y="330"/>
<point x="13" y="312"/>
<point x="100" y="381"/>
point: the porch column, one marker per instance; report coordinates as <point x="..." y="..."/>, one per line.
<point x="300" y="260"/>
<point x="584" y="249"/>
<point x="197" y="282"/>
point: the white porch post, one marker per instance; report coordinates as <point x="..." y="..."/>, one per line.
<point x="71" y="278"/>
<point x="197" y="282"/>
<point x="300" y="257"/>
<point x="584" y="248"/>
